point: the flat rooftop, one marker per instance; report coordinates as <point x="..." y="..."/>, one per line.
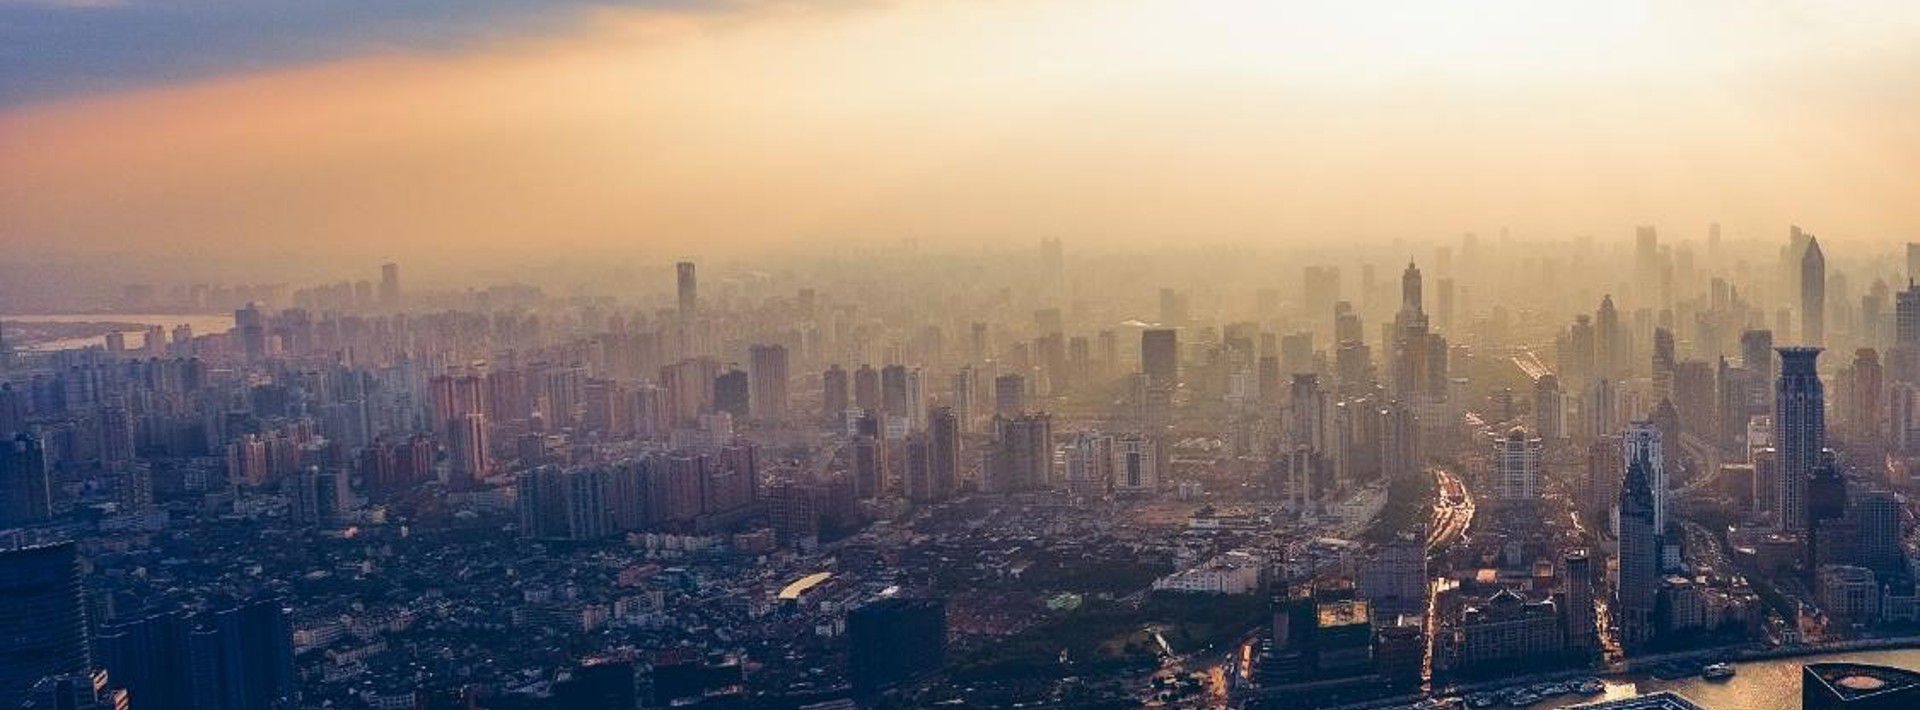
<point x="1859" y="680"/>
<point x="1663" y="700"/>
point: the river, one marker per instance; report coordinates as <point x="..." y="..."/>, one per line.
<point x="1760" y="685"/>
<point x="202" y="324"/>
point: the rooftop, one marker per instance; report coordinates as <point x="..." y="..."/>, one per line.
<point x="1343" y="613"/>
<point x="1857" y="680"/>
<point x="1663" y="700"/>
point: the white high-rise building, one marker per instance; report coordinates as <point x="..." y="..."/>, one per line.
<point x="1517" y="454"/>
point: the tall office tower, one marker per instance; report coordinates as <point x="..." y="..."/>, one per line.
<point x="1517" y="458"/>
<point x="1353" y="366"/>
<point x="1296" y="352"/>
<point x="917" y="467"/>
<point x="1088" y="463"/>
<point x="1864" y="401"/>
<point x="1799" y="432"/>
<point x="1663" y="363"/>
<point x="1813" y="295"/>
<point x="1395" y="580"/>
<point x="1639" y="554"/>
<point x="1646" y="260"/>
<point x="43" y="622"/>
<point x="943" y="441"/>
<point x="1412" y="345"/>
<point x="1412" y="303"/>
<point x="467" y="449"/>
<point x="1606" y="464"/>
<point x="834" y="394"/>
<point x="1160" y="356"/>
<point x="1443" y="298"/>
<point x="1877" y="513"/>
<point x="1757" y="355"/>
<point x="1549" y="409"/>
<point x="1346" y="324"/>
<point x="1400" y="455"/>
<point x="1694" y="397"/>
<point x="688" y="389"/>
<point x="148" y="657"/>
<point x="1830" y="540"/>
<point x="1577" y="571"/>
<point x="1267" y="371"/>
<point x="1053" y="265"/>
<point x="893" y="390"/>
<point x="1009" y="395"/>
<point x="866" y="388"/>
<point x="1903" y="362"/>
<point x="1022" y="454"/>
<point x="1600" y="409"/>
<point x="251" y="325"/>
<point x="769" y="384"/>
<point x="688" y="290"/>
<point x="1643" y="440"/>
<point x="733" y="393"/>
<point x="868" y="458"/>
<point x="242" y="657"/>
<point x="390" y="285"/>
<point x="1610" y="346"/>
<point x="961" y="397"/>
<point x="1136" y="464"/>
<point x="1913" y="262"/>
<point x="894" y="640"/>
<point x="1302" y="478"/>
<point x="26" y="489"/>
<point x="1306" y="414"/>
<point x="1575" y="351"/>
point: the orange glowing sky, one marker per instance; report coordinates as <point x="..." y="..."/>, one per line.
<point x="662" y="132"/>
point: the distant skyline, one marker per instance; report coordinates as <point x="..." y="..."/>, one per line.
<point x="487" y="133"/>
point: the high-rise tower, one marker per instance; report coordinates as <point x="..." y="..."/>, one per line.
<point x="1799" y="432"/>
<point x="688" y="290"/>
<point x="389" y="285"/>
<point x="1643" y="440"/>
<point x="1639" y="553"/>
<point x="43" y="622"/>
<point x="1813" y="295"/>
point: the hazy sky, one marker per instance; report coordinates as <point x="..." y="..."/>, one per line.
<point x="432" y="129"/>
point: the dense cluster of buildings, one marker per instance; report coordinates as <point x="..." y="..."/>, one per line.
<point x="814" y="487"/>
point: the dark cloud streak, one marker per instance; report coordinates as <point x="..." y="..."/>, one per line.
<point x="52" y="49"/>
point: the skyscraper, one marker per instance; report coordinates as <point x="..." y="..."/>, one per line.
<point x="1639" y="553"/>
<point x="43" y="620"/>
<point x="1022" y="455"/>
<point x="1136" y="464"/>
<point x="835" y="393"/>
<point x="769" y="385"/>
<point x="894" y="640"/>
<point x="1160" y="356"/>
<point x="1577" y="569"/>
<point x="1549" y="410"/>
<point x="389" y="285"/>
<point x="1799" y="432"/>
<point x="1009" y="395"/>
<point x="943" y="434"/>
<point x="1517" y="456"/>
<point x="1643" y="440"/>
<point x="1813" y="295"/>
<point x="468" y="449"/>
<point x="688" y="290"/>
<point x="25" y="488"/>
